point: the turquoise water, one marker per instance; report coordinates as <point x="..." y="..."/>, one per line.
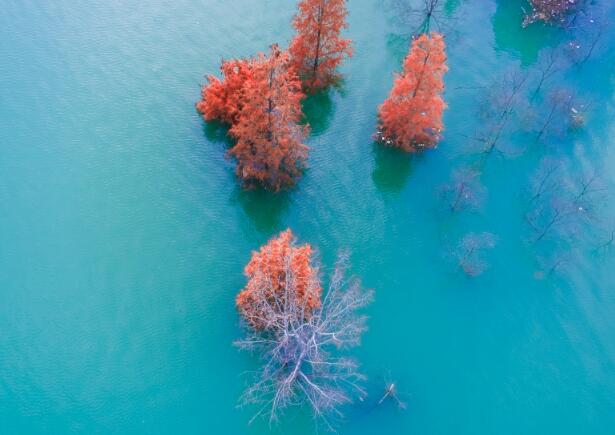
<point x="123" y="232"/>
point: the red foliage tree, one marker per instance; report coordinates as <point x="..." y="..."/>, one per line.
<point x="550" y="11"/>
<point x="269" y="148"/>
<point x="317" y="48"/>
<point x="281" y="270"/>
<point x="222" y="99"/>
<point x="411" y="117"/>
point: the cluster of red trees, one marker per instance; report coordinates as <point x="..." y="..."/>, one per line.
<point x="411" y="116"/>
<point x="260" y="97"/>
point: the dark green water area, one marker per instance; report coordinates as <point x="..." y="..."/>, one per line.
<point x="124" y="232"/>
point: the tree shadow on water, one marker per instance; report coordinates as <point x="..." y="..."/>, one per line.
<point x="217" y="132"/>
<point x="398" y="45"/>
<point x="392" y="168"/>
<point x="264" y="208"/>
<point x="318" y="111"/>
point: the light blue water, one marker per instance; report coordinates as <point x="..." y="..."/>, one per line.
<point x="123" y="232"/>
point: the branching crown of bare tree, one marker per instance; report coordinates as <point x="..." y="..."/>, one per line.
<point x="504" y="100"/>
<point x="423" y="17"/>
<point x="299" y="350"/>
<point x="464" y="191"/>
<point x="561" y="113"/>
<point x="561" y="204"/>
<point x="469" y="253"/>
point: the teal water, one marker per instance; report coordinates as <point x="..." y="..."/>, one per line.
<point x="123" y="232"/>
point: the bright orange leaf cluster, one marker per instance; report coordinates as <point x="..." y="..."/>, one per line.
<point x="317" y="48"/>
<point x="261" y="99"/>
<point x="270" y="149"/>
<point x="280" y="266"/>
<point x="222" y="99"/>
<point x="411" y="117"/>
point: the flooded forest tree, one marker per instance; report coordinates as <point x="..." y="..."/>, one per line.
<point x="558" y="115"/>
<point x="422" y="17"/>
<point x="411" y="117"/>
<point x="464" y="191"/>
<point x="551" y="11"/>
<point x="318" y="48"/>
<point x="296" y="331"/>
<point x="222" y="99"/>
<point x="503" y="102"/>
<point x="565" y="212"/>
<point x="260" y="98"/>
<point x="269" y="273"/>
<point x="270" y="149"/>
<point x="565" y="209"/>
<point x="469" y="253"/>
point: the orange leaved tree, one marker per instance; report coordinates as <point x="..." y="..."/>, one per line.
<point x="317" y="48"/>
<point x="282" y="271"/>
<point x="298" y="333"/>
<point x="222" y="99"/>
<point x="269" y="149"/>
<point x="411" y="116"/>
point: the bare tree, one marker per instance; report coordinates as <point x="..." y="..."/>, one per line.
<point x="546" y="179"/>
<point x="469" y="252"/>
<point x="561" y="114"/>
<point x="608" y="241"/>
<point x="588" y="37"/>
<point x="464" y="191"/>
<point x="390" y="393"/>
<point x="550" y="63"/>
<point x="550" y="216"/>
<point x="424" y="17"/>
<point x="502" y="102"/>
<point x="299" y="350"/>
<point x="565" y="205"/>
<point x="583" y="20"/>
<point x="553" y="263"/>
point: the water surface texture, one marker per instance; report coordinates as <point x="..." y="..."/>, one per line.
<point x="123" y="232"/>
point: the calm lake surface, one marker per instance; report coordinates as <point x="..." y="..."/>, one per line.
<point x="123" y="232"/>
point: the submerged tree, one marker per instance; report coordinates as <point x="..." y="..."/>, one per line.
<point x="545" y="181"/>
<point x="298" y="342"/>
<point x="469" y="252"/>
<point x="590" y="33"/>
<point x="464" y="190"/>
<point x="607" y="240"/>
<point x="560" y="205"/>
<point x="551" y="11"/>
<point x="222" y="99"/>
<point x="550" y="63"/>
<point x="318" y="49"/>
<point x="565" y="213"/>
<point x="560" y="114"/>
<point x="501" y="104"/>
<point x="411" y="117"/>
<point x="423" y="15"/>
<point x="552" y="262"/>
<point x="391" y="393"/>
<point x="269" y="149"/>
